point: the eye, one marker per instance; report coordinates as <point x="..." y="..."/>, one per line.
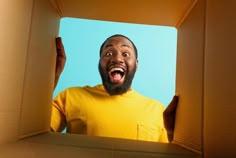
<point x="126" y="54"/>
<point x="108" y="53"/>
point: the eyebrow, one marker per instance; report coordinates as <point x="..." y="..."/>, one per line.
<point x="123" y="45"/>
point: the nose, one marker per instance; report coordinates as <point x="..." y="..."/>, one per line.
<point x="117" y="58"/>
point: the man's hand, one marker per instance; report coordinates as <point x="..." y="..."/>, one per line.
<point x="60" y="61"/>
<point x="169" y="117"/>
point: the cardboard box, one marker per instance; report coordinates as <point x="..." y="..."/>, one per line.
<point x="205" y="80"/>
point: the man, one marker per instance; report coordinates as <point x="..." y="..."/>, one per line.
<point x="112" y="109"/>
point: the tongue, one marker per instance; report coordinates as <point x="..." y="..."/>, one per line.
<point x="116" y="77"/>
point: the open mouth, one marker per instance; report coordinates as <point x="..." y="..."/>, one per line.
<point x="116" y="74"/>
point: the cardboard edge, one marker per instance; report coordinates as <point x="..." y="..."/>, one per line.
<point x="188" y="148"/>
<point x="57" y="5"/>
<point x="178" y="24"/>
<point x="112" y="144"/>
<point x="32" y="134"/>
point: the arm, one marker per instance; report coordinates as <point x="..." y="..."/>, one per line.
<point x="57" y="119"/>
<point x="169" y="117"/>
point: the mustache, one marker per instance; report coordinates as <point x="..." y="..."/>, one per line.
<point x="120" y="65"/>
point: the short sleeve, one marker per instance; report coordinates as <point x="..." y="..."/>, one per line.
<point x="58" y="119"/>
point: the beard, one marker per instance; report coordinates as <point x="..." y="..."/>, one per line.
<point x="113" y="89"/>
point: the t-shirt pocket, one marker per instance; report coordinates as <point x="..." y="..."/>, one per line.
<point x="76" y="126"/>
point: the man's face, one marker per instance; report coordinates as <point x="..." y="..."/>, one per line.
<point x="117" y="65"/>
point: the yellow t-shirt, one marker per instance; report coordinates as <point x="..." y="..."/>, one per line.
<point x="92" y="111"/>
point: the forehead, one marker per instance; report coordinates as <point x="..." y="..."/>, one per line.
<point x="118" y="40"/>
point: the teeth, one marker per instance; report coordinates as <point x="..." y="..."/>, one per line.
<point x="117" y="69"/>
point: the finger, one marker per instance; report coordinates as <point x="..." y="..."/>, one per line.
<point x="60" y="47"/>
<point x="174" y="100"/>
<point x="58" y="41"/>
<point x="173" y="104"/>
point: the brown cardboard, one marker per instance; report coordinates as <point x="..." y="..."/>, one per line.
<point x="38" y="80"/>
<point x="189" y="79"/>
<point x="15" y="27"/>
<point x="220" y="89"/>
<point x="61" y="146"/>
<point x="155" y="12"/>
<point x="205" y="78"/>
<point x="28" y="30"/>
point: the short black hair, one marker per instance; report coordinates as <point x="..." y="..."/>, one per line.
<point x="119" y="35"/>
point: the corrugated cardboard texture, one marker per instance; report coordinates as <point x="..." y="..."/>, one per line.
<point x="40" y="68"/>
<point x="14" y="30"/>
<point x="220" y="80"/>
<point x="189" y="79"/>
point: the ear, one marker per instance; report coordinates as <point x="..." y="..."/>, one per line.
<point x="136" y="64"/>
